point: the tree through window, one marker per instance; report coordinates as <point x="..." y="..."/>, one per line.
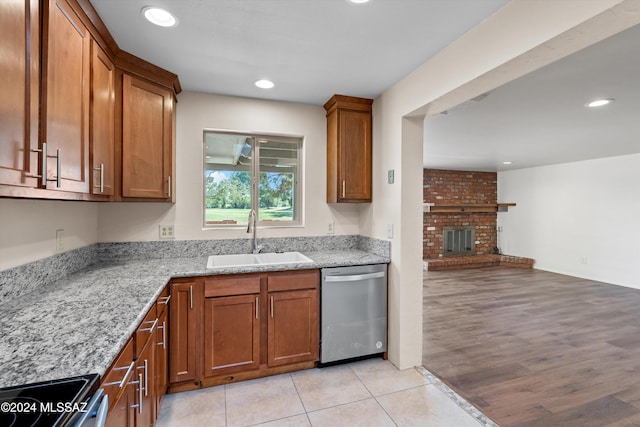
<point x="232" y="163"/>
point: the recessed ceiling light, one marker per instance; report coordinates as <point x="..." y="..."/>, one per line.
<point x="264" y="84"/>
<point x="599" y="102"/>
<point x="506" y="163"/>
<point x="158" y="16"/>
<point x="358" y="1"/>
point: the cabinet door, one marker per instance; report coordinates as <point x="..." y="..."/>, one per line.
<point x="122" y="414"/>
<point x="147" y="139"/>
<point x="146" y="387"/>
<point x="65" y="84"/>
<point x="232" y="334"/>
<point x="354" y="146"/>
<point x="102" y="130"/>
<point x="184" y="318"/>
<point x="293" y="327"/>
<point x="162" y="359"/>
<point x="19" y="86"/>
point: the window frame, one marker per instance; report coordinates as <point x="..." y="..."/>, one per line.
<point x="298" y="206"/>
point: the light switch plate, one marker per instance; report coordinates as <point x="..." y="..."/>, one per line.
<point x="390" y="231"/>
<point x="59" y="240"/>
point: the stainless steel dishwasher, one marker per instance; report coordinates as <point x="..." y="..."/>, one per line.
<point x="353" y="313"/>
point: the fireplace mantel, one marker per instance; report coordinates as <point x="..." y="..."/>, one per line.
<point x="466" y="208"/>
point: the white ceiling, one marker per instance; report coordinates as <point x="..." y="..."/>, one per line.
<point x="540" y="119"/>
<point x="313" y="49"/>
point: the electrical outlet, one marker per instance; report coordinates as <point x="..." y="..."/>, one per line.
<point x="167" y="232"/>
<point x="330" y="228"/>
<point x="59" y="240"/>
<point x="390" y="231"/>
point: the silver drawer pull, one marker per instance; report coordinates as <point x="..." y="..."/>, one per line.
<point x="164" y="335"/>
<point x="153" y="326"/>
<point x="355" y="277"/>
<point x="124" y="379"/>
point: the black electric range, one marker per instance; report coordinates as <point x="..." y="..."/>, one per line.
<point x="53" y="403"/>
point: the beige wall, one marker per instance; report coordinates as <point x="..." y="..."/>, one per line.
<point x="28" y="228"/>
<point x="197" y="111"/>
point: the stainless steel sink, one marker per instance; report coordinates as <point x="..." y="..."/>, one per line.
<point x="245" y="260"/>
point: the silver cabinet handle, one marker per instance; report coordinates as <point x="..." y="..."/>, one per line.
<point x="164" y="335"/>
<point x="58" y="167"/>
<point x="124" y="379"/>
<point x="272" y="306"/>
<point x="354" y="278"/>
<point x="146" y="377"/>
<point x="169" y="186"/>
<point x="101" y="169"/>
<point x="43" y="175"/>
<point x="139" y="405"/>
<point x="166" y="300"/>
<point x="153" y="326"/>
<point x="257" y="299"/>
<point x="191" y="296"/>
<point x="344" y="188"/>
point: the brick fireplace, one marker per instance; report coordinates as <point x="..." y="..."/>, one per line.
<point x="463" y="188"/>
<point x="458" y="188"/>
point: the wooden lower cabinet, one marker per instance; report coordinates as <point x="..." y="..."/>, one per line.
<point x="138" y="378"/>
<point x="146" y="387"/>
<point x="185" y="318"/>
<point x="162" y="351"/>
<point x="231" y="334"/>
<point x="253" y="325"/>
<point x="293" y="327"/>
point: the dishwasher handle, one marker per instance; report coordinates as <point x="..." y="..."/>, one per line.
<point x="355" y="277"/>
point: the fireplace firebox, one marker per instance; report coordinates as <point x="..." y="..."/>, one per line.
<point x="458" y="241"/>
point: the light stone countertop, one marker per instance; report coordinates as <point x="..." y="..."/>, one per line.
<point x="77" y="325"/>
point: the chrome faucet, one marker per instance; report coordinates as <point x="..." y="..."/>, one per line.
<point x="253" y="222"/>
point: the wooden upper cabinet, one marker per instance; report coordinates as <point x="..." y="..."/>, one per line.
<point x="349" y="146"/>
<point x="19" y="87"/>
<point x="102" y="124"/>
<point x="147" y="139"/>
<point x="65" y="108"/>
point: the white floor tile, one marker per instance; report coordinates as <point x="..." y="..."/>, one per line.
<point x="425" y="406"/>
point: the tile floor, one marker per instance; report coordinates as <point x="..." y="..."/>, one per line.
<point x="368" y="393"/>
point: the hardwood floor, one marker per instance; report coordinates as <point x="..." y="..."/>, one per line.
<point x="533" y="348"/>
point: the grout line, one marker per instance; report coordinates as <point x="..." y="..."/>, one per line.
<point x="459" y="400"/>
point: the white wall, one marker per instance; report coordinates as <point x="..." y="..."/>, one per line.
<point x="517" y="39"/>
<point x="28" y="228"/>
<point x="197" y="111"/>
<point x="574" y="213"/>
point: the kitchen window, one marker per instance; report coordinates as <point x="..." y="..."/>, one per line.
<point x="245" y="171"/>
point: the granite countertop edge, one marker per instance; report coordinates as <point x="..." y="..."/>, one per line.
<point x="102" y="306"/>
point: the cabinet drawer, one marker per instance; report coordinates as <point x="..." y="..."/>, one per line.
<point x="163" y="301"/>
<point x="308" y="279"/>
<point x="119" y="374"/>
<point x="231" y="285"/>
<point x="146" y="329"/>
